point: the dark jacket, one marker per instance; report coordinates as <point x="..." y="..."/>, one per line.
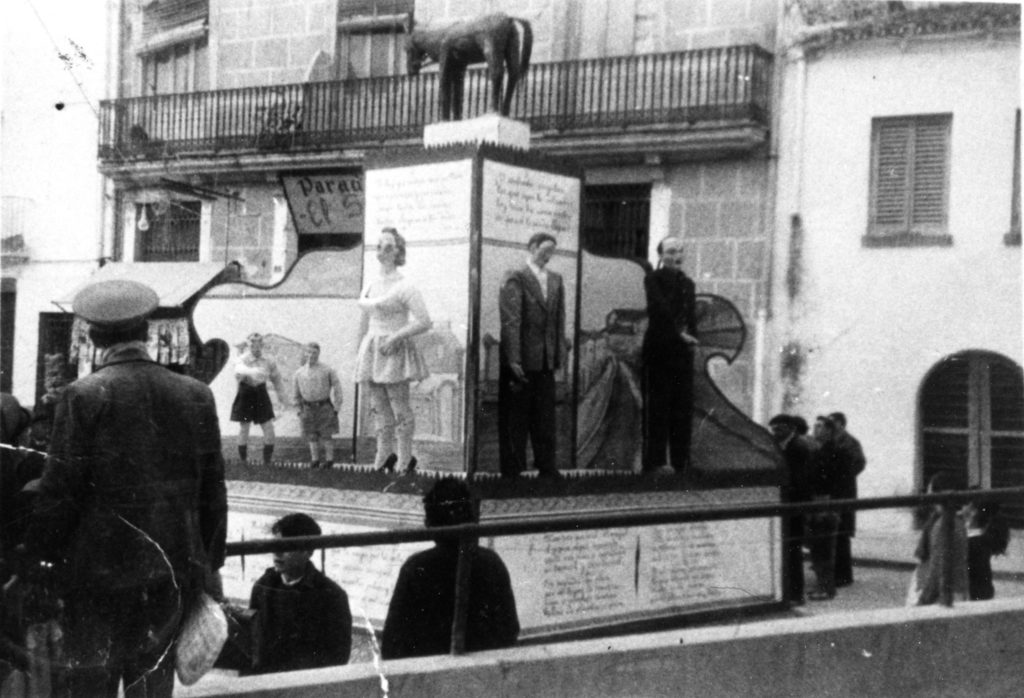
<point x="532" y="327"/>
<point x="304" y="626"/>
<point x="671" y="309"/>
<point x="133" y="487"/>
<point x="419" y="620"/>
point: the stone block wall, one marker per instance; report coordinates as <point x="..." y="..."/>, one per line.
<point x="243" y="230"/>
<point x="719" y="209"/>
<point x="574" y="29"/>
<point x="268" y="42"/>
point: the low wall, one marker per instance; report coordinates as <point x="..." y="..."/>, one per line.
<point x="973" y="649"/>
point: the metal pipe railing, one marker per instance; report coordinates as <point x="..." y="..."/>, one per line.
<point x="468" y="534"/>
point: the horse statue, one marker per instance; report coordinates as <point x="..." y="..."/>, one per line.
<point x="503" y="42"/>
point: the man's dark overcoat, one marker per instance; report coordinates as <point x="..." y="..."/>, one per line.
<point x="132" y="505"/>
<point x="668" y="367"/>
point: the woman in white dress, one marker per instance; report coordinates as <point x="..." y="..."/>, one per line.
<point x="387" y="362"/>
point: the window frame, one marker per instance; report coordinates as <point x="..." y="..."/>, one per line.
<point x="377" y="22"/>
<point x="150" y="61"/>
<point x="909" y="233"/>
<point x="979" y="428"/>
<point x="1012" y="237"/>
<point x="611" y="208"/>
<point x="145" y="254"/>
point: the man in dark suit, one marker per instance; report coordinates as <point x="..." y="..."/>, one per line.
<point x="532" y="309"/>
<point x="132" y="507"/>
<point x="855" y="460"/>
<point x="668" y="360"/>
<point x="799" y="464"/>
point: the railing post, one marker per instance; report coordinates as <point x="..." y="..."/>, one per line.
<point x="947" y="531"/>
<point x="467" y="544"/>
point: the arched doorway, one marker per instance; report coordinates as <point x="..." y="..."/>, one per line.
<point x="972" y="423"/>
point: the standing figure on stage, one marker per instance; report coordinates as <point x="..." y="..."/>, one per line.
<point x="388" y="361"/>
<point x="252" y="402"/>
<point x="532" y="309"/>
<point x="316" y="391"/>
<point x="668" y="360"/>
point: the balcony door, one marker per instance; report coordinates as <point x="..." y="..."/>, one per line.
<point x="371" y="38"/>
<point x="972" y="423"/>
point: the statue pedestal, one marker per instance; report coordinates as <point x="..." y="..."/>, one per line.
<point x="489" y="128"/>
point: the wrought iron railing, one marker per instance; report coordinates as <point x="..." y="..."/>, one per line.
<point x="669" y="89"/>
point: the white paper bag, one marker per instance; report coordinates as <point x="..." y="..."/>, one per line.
<point x="200" y="640"/>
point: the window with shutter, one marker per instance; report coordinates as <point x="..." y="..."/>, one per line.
<point x="909" y="181"/>
<point x="972" y="423"/>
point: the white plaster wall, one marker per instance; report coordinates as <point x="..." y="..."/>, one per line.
<point x="875" y="320"/>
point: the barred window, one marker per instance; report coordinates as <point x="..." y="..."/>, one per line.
<point x="168" y="231"/>
<point x="616" y="220"/>
<point x="909" y="180"/>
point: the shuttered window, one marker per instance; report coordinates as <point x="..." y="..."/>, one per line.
<point x="972" y="423"/>
<point x="909" y="176"/>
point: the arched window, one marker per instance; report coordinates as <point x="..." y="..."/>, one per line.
<point x="972" y="423"/>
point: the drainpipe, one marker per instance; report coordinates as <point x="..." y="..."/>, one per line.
<point x="112" y="89"/>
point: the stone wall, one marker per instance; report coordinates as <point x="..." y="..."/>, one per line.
<point x="718" y="209"/>
<point x="970" y="650"/>
<point x="268" y="42"/>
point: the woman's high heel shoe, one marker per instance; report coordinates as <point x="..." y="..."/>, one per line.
<point x="388" y="466"/>
<point x="411" y="467"/>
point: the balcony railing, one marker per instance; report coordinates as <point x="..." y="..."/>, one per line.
<point x="671" y="89"/>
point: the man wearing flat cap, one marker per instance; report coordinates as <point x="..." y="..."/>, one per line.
<point x="131" y="508"/>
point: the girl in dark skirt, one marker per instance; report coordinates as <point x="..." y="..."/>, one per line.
<point x="252" y="402"/>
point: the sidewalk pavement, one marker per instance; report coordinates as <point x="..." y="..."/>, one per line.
<point x="895" y="549"/>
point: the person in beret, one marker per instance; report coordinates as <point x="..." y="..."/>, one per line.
<point x="131" y="506"/>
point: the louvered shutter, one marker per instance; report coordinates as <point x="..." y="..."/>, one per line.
<point x="910" y="175"/>
<point x="928" y="207"/>
<point x="892" y="172"/>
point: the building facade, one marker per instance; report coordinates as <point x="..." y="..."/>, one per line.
<point x="896" y="292"/>
<point x="846" y="173"/>
<point x="222" y="105"/>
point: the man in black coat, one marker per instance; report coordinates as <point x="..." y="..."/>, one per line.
<point x="668" y="360"/>
<point x="832" y="466"/>
<point x="532" y="310"/>
<point x="854" y="457"/>
<point x="799" y="464"/>
<point x="132" y="506"/>
<point x="302" y="617"/>
<point x="422" y="608"/>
